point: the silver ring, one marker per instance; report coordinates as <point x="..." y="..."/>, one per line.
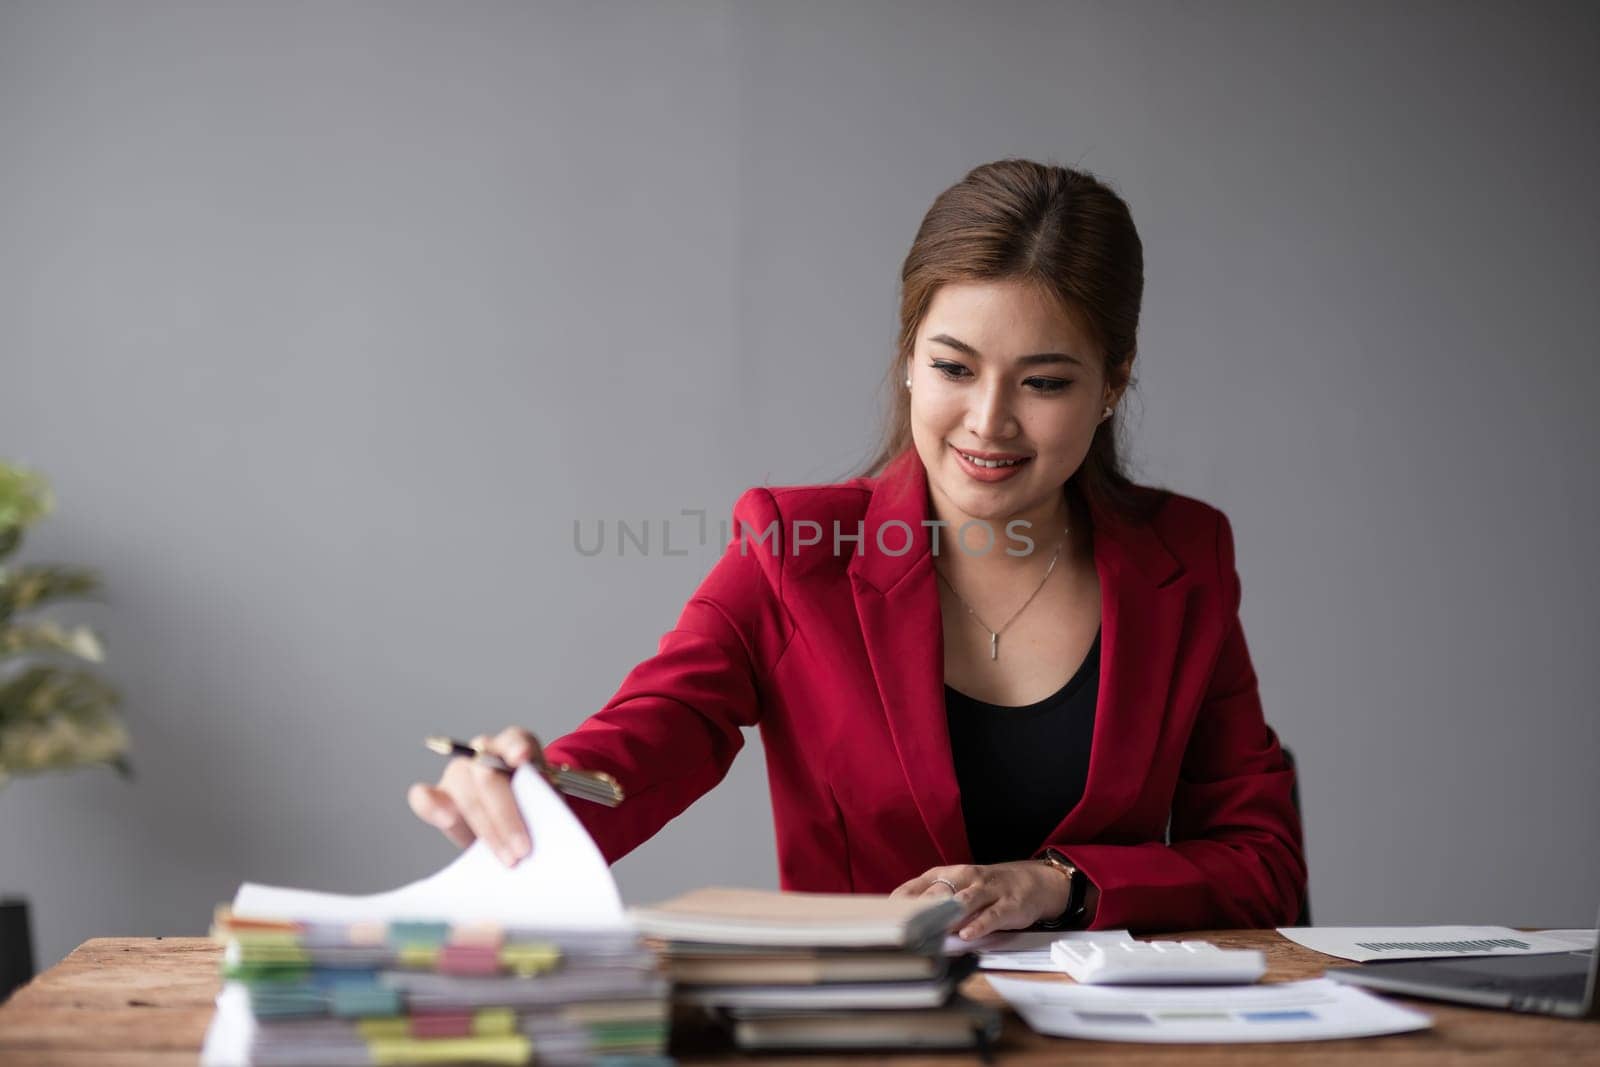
<point x="946" y="881"/>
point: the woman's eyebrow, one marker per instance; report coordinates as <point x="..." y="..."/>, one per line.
<point x="1026" y="361"/>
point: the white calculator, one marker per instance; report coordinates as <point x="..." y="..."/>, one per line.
<point x="1157" y="963"/>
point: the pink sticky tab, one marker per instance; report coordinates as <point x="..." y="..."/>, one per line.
<point x="452" y="1024"/>
<point x="468" y="959"/>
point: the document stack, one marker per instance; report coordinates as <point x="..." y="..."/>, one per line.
<point x="796" y="971"/>
<point x="479" y="963"/>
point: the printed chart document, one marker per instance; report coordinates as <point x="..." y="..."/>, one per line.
<point x="1315" y="1010"/>
<point x="563" y="882"/>
<point x="1365" y="943"/>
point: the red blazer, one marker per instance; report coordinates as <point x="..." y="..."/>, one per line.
<point x="838" y="658"/>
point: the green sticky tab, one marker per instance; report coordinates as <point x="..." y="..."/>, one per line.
<point x="402" y="934"/>
<point x="352" y="999"/>
<point x="251" y="973"/>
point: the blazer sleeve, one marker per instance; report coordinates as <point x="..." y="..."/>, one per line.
<point x="672" y="729"/>
<point x="1236" y="858"/>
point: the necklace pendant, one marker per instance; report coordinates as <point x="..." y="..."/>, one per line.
<point x="994" y="646"/>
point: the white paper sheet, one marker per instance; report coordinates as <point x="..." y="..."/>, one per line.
<point x="564" y="882"/>
<point x="1315" y="1010"/>
<point x="1364" y="943"/>
<point x="1029" y="950"/>
<point x="1582" y="940"/>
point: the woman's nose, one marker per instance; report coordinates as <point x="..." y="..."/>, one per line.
<point x="990" y="417"/>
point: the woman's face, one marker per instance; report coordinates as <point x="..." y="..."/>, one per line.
<point x="1000" y="372"/>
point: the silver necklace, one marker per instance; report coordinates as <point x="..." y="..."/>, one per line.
<point x="994" y="635"/>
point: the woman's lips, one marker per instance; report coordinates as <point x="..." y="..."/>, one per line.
<point x="980" y="473"/>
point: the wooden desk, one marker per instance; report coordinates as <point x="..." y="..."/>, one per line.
<point x="145" y="1002"/>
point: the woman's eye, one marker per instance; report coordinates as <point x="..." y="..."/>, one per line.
<point x="956" y="372"/>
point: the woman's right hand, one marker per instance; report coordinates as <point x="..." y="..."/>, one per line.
<point x="472" y="801"/>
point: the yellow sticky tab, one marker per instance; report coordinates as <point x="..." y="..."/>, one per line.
<point x="511" y="1051"/>
<point x="419" y="956"/>
<point x="384" y="1029"/>
<point x="264" y="938"/>
<point x="494" y="1022"/>
<point x="528" y="960"/>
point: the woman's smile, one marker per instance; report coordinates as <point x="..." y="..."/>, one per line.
<point x="991" y="466"/>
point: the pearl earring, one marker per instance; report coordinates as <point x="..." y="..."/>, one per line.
<point x="1106" y="414"/>
<point x="908" y="381"/>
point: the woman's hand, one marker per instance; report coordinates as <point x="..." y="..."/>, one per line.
<point x="474" y="801"/>
<point x="999" y="896"/>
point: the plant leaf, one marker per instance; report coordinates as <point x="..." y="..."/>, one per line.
<point x="44" y="691"/>
<point x="24" y="498"/>
<point x="62" y="741"/>
<point x="79" y="641"/>
<point x="27" y="587"/>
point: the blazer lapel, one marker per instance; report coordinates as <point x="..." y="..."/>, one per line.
<point x="897" y="602"/>
<point x="1142" y="610"/>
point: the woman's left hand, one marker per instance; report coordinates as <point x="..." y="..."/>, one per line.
<point x="997" y="896"/>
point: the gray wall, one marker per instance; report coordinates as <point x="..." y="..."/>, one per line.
<point x="327" y="320"/>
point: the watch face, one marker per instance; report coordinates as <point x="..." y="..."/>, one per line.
<point x="1060" y="862"/>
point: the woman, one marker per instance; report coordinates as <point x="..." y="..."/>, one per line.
<point x="996" y="668"/>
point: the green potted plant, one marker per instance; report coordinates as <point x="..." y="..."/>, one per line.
<point x="55" y="712"/>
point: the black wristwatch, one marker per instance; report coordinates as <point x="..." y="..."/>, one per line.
<point x="1077" y="893"/>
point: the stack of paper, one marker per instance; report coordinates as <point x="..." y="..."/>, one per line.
<point x="820" y="971"/>
<point x="478" y="964"/>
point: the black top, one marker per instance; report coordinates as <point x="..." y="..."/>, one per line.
<point x="1022" y="769"/>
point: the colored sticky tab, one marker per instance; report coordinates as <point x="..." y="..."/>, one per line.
<point x="286" y="1001"/>
<point x="418" y="933"/>
<point x="530" y="959"/>
<point x="224" y="918"/>
<point x="264" y="938"/>
<point x="494" y="1022"/>
<point x="419" y="957"/>
<point x="468" y="959"/>
<point x="367" y="935"/>
<point x="265" y="972"/>
<point x="442" y="1024"/>
<point x="483" y="935"/>
<point x="510" y="1051"/>
<point x="349" y="999"/>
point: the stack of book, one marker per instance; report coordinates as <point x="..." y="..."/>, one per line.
<point x="794" y="971"/>
<point x="479" y="963"/>
<point x="414" y="992"/>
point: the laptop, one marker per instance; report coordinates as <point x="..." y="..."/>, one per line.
<point x="1559" y="983"/>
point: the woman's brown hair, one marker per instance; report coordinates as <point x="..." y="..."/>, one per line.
<point x="1061" y="229"/>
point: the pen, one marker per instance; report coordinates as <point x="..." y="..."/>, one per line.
<point x="595" y="786"/>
